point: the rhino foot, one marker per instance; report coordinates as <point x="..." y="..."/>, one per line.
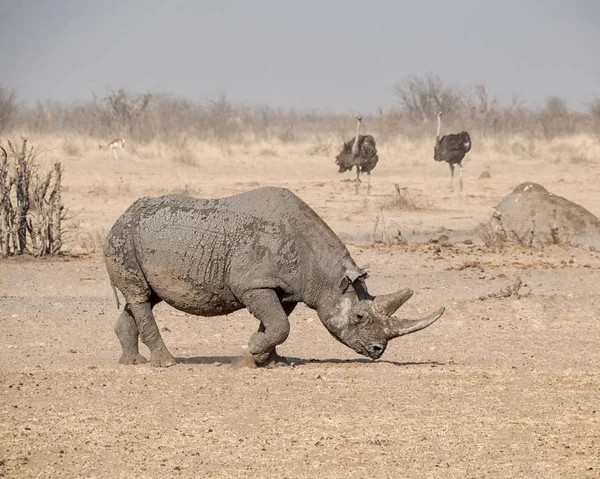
<point x="132" y="359"/>
<point x="270" y="359"/>
<point x="162" y="359"/>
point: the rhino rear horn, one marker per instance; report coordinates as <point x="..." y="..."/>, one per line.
<point x="389" y="303"/>
<point x="400" y="327"/>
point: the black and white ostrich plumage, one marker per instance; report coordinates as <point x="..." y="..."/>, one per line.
<point x="364" y="158"/>
<point x="451" y="149"/>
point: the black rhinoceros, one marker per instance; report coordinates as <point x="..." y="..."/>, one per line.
<point x="264" y="250"/>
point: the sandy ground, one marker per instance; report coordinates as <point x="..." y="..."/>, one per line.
<point x="502" y="386"/>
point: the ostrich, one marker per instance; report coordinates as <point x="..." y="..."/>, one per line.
<point x="451" y="149"/>
<point x="361" y="152"/>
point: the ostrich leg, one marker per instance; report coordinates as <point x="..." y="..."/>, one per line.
<point x="460" y="171"/>
<point x="369" y="184"/>
<point x="357" y="180"/>
<point x="451" y="176"/>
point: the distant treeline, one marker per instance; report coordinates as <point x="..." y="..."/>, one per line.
<point x="145" y="117"/>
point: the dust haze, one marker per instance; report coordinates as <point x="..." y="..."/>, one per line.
<point x="505" y="384"/>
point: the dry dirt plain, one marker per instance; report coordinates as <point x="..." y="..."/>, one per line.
<point x="499" y="387"/>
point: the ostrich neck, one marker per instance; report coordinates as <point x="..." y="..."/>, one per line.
<point x="355" y="145"/>
<point x="439" y="129"/>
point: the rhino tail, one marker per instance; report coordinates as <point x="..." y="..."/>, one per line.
<point x="114" y="288"/>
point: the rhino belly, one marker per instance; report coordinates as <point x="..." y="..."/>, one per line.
<point x="191" y="297"/>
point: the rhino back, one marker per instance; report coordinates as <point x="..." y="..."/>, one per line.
<point x="201" y="255"/>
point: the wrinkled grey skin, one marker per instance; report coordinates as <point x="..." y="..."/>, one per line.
<point x="264" y="250"/>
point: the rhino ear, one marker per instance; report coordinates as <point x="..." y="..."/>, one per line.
<point x="351" y="276"/>
<point x="364" y="269"/>
<point x="344" y="284"/>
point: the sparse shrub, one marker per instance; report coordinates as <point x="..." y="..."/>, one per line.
<point x="594" y="111"/>
<point x="422" y="97"/>
<point x="581" y="160"/>
<point x="223" y="120"/>
<point x="145" y="117"/>
<point x="402" y="200"/>
<point x="554" y="118"/>
<point x="102" y="187"/>
<point x="92" y="242"/>
<point x="319" y="147"/>
<point x="184" y="156"/>
<point x="130" y="112"/>
<point x="8" y="109"/>
<point x="31" y="209"/>
<point x="267" y="152"/>
<point x="71" y="148"/>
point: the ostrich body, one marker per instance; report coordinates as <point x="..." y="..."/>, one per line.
<point x="359" y="152"/>
<point x="451" y="149"/>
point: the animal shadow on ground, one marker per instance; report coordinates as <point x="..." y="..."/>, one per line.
<point x="244" y="360"/>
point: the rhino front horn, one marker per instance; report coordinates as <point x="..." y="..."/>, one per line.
<point x="400" y="327"/>
<point x="389" y="303"/>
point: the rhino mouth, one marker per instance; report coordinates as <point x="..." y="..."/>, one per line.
<point x="374" y="352"/>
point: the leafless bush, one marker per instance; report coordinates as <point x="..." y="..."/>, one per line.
<point x="130" y="113"/>
<point x="31" y="209"/>
<point x="223" y="119"/>
<point x="162" y="117"/>
<point x="8" y="109"/>
<point x="422" y="97"/>
<point x="555" y="119"/>
<point x="594" y="111"/>
<point x="472" y="108"/>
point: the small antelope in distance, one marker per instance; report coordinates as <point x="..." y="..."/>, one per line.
<point x="114" y="145"/>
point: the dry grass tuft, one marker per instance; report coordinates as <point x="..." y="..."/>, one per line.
<point x="72" y="147"/>
<point x="403" y="200"/>
<point x="269" y="152"/>
<point x="185" y="157"/>
<point x="92" y="241"/>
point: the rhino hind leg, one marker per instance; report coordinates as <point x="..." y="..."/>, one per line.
<point x="127" y="276"/>
<point x="150" y="335"/>
<point x="274" y="328"/>
<point x="128" y="334"/>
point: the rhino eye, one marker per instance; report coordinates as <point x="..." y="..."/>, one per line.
<point x="358" y="318"/>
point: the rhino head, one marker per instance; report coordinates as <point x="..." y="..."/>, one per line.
<point x="364" y="322"/>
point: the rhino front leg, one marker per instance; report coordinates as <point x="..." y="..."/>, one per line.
<point x="127" y="332"/>
<point x="148" y="330"/>
<point x="273" y="356"/>
<point x="275" y="326"/>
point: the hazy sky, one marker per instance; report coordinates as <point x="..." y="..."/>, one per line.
<point x="326" y="54"/>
